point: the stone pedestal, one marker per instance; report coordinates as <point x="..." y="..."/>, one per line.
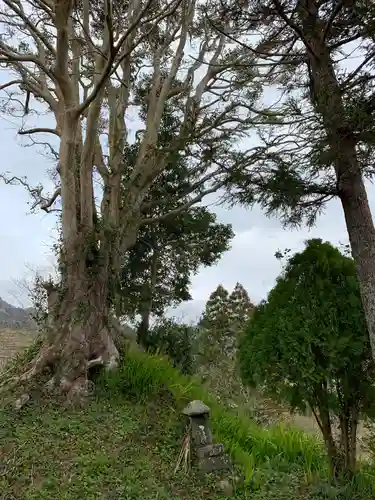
<point x="210" y="456"/>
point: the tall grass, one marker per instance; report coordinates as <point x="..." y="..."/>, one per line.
<point x="250" y="445"/>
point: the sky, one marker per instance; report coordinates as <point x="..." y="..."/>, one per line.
<point x="25" y="239"/>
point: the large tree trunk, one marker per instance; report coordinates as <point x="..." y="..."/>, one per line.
<point x="81" y="327"/>
<point x="361" y="232"/>
<point x="342" y="140"/>
<point x="81" y="334"/>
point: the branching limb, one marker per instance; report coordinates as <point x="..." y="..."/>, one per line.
<point x="115" y="50"/>
<point x="44" y="203"/>
<point x="10" y="84"/>
<point x="8" y="56"/>
<point x="17" y="8"/>
<point x="288" y="21"/>
<point x="39" y="130"/>
<point x="336" y="9"/>
<point x="184" y="207"/>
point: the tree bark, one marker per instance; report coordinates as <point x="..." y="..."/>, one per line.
<point x="322" y="416"/>
<point x="81" y="325"/>
<point x="361" y="232"/>
<point x="327" y="99"/>
<point x="144" y="326"/>
<point x="348" y="427"/>
<point x="81" y="331"/>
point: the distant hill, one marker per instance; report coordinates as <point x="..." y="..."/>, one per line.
<point x="15" y="318"/>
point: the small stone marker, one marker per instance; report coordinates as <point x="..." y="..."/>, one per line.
<point x="210" y="456"/>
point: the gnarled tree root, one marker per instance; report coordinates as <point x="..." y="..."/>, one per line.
<point x="68" y="380"/>
<point x="37" y="366"/>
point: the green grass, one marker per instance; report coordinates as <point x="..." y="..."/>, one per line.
<point x="124" y="445"/>
<point x="251" y="445"/>
<point x="268" y="457"/>
<point x="114" y="449"/>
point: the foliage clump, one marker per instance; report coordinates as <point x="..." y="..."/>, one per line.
<point x="175" y="341"/>
<point x="308" y="345"/>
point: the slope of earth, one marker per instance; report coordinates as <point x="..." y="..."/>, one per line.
<point x="13" y="341"/>
<point x="116" y="450"/>
<point x="125" y="443"/>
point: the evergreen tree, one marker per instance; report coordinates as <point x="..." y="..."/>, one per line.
<point x="222" y="323"/>
<point x="316" y="141"/>
<point x="240" y="306"/>
<point x="217" y="308"/>
<point x="308" y="344"/>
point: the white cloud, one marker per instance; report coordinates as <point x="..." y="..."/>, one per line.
<point x="26" y="239"/>
<point x="251" y="260"/>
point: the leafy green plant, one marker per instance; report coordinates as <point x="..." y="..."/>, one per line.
<point x="175" y="340"/>
<point x="308" y="345"/>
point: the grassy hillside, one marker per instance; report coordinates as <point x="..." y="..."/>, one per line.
<point x="116" y="450"/>
<point x="125" y="445"/>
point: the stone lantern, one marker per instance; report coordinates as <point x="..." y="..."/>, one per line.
<point x="210" y="456"/>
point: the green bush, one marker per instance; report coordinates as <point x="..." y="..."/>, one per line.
<point x="174" y="340"/>
<point x="308" y="345"/>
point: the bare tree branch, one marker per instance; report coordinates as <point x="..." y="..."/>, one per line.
<point x="113" y="51"/>
<point x="280" y="9"/>
<point x="184" y="207"/>
<point x="10" y="83"/>
<point x="339" y="5"/>
<point x="35" y="192"/>
<point x="16" y="7"/>
<point x="39" y="130"/>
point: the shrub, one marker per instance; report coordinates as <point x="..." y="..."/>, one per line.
<point x="174" y="340"/>
<point x="308" y="345"/>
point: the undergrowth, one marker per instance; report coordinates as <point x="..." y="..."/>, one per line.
<point x="266" y="455"/>
<point x="249" y="444"/>
<point x="124" y="445"/>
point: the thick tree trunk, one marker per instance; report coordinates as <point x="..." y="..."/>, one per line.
<point x="327" y="99"/>
<point x="361" y="233"/>
<point x="82" y="331"/>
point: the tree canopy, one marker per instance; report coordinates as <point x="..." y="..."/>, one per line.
<point x="308" y="344"/>
<point x="315" y="140"/>
<point x="156" y="271"/>
<point x="94" y="67"/>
